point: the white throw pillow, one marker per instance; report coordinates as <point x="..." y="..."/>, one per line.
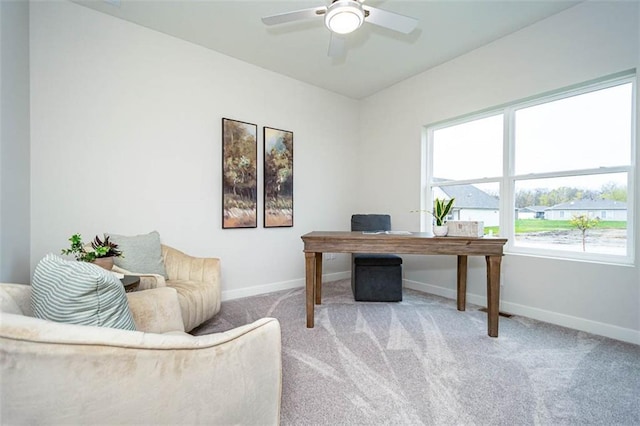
<point x="141" y="254"/>
<point x="79" y="293"/>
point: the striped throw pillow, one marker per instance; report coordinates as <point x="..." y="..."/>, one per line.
<point x="79" y="293"/>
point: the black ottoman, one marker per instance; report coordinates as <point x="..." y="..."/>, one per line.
<point x="378" y="278"/>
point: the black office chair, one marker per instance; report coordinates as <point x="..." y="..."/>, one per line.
<point x="375" y="277"/>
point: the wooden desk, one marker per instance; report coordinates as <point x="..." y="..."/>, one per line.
<point x="316" y="243"/>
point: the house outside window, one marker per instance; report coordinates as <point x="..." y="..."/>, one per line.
<point x="553" y="174"/>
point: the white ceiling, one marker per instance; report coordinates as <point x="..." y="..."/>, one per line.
<point x="376" y="58"/>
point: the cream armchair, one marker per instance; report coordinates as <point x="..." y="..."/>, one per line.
<point x="55" y="373"/>
<point x="196" y="279"/>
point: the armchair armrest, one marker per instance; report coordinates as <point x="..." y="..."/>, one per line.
<point x="197" y="280"/>
<point x="15" y="298"/>
<point x="60" y="373"/>
<point x="156" y="310"/>
<point x="147" y="281"/>
<point x="181" y="266"/>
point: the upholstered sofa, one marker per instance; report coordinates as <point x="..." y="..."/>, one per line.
<point x="196" y="279"/>
<point x="56" y="373"/>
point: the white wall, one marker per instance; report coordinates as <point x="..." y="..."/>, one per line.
<point x="588" y="41"/>
<point x="14" y="141"/>
<point x="126" y="138"/>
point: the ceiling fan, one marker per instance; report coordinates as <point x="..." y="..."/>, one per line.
<point x="342" y="17"/>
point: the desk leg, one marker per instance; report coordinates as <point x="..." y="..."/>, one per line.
<point x="493" y="293"/>
<point x="310" y="266"/>
<point x="318" y="278"/>
<point x="462" y="282"/>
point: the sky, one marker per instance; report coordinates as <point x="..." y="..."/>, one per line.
<point x="585" y="131"/>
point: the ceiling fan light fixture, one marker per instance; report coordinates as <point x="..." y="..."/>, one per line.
<point x="344" y="16"/>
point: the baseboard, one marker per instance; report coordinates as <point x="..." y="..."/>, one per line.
<point x="279" y="286"/>
<point x="431" y="289"/>
<point x="576" y="323"/>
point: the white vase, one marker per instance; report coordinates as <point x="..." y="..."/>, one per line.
<point x="440" y="230"/>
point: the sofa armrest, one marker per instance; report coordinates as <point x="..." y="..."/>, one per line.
<point x="61" y="373"/>
<point x="147" y="281"/>
<point x="181" y="266"/>
<point x="16" y="299"/>
<point x="198" y="282"/>
<point x="156" y="310"/>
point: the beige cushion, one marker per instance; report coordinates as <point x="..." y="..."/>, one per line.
<point x="156" y="310"/>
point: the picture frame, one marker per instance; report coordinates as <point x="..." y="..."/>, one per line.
<point x="277" y="178"/>
<point x="239" y="174"/>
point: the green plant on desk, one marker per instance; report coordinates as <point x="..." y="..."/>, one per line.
<point x="441" y="209"/>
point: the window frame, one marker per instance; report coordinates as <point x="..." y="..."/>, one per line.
<point x="507" y="182"/>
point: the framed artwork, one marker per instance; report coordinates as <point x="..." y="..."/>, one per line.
<point x="278" y="178"/>
<point x="239" y="174"/>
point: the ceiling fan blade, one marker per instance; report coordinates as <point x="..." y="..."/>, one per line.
<point x="391" y="20"/>
<point x="296" y="15"/>
<point x="336" y="46"/>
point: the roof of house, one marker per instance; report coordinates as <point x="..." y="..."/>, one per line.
<point x="590" y="205"/>
<point x="470" y="197"/>
<point x="534" y="208"/>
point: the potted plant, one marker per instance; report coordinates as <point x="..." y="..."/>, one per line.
<point x="441" y="209"/>
<point x="102" y="254"/>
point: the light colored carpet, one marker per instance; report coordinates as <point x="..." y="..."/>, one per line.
<point x="421" y="361"/>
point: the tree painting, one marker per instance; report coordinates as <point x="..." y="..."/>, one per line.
<point x="239" y="174"/>
<point x="278" y="178"/>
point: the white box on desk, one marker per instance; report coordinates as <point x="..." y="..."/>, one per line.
<point x="465" y="228"/>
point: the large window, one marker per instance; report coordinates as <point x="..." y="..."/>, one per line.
<point x="554" y="175"/>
